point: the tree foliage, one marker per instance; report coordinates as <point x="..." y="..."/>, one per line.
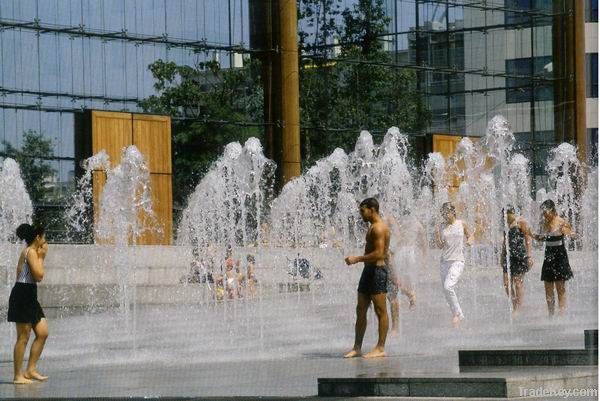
<point x="358" y="89"/>
<point x="338" y="96"/>
<point x="35" y="169"/>
<point x="203" y="101"/>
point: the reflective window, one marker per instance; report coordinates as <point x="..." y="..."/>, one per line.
<point x="591" y="10"/>
<point x="519" y="90"/>
<point x="591" y="66"/>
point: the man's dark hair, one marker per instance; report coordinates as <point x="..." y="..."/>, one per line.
<point x="549" y="205"/>
<point x="448" y="207"/>
<point x="370" y="203"/>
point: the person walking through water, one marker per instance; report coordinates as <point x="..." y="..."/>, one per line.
<point x="519" y="256"/>
<point x="372" y="286"/>
<point x="23" y="306"/>
<point x="408" y="245"/>
<point x="556" y="269"/>
<point x="450" y="237"/>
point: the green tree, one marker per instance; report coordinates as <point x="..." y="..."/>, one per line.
<point x="339" y="94"/>
<point x="357" y="89"/>
<point x="35" y="168"/>
<point x="210" y="107"/>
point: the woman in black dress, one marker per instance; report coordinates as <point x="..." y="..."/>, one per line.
<point x="556" y="269"/>
<point x="23" y="306"/>
<point x="519" y="260"/>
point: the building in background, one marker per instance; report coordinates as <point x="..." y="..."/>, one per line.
<point x="474" y="59"/>
<point x="60" y="57"/>
<point x="477" y="59"/>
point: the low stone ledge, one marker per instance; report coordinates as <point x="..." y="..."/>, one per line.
<point x="591" y="339"/>
<point x="537" y="357"/>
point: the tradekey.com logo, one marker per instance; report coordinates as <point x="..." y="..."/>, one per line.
<point x="560" y="392"/>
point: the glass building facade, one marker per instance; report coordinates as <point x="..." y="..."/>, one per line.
<point x="59" y="57"/>
<point x="479" y="59"/>
<point x="474" y="59"/>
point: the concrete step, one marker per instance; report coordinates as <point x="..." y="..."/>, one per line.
<point x="523" y="357"/>
<point x="591" y="339"/>
<point x="469" y="359"/>
<point x="500" y="384"/>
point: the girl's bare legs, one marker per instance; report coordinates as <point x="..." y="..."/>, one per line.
<point x="549" y="288"/>
<point x="41" y="334"/>
<point x="506" y="283"/>
<point x="23" y="331"/>
<point x="561" y="290"/>
<point x="518" y="292"/>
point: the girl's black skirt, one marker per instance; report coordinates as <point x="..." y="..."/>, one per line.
<point x="23" y="306"/>
<point x="556" y="265"/>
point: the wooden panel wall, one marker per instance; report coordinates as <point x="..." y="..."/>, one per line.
<point x="152" y="136"/>
<point x="113" y="131"/>
<point x="446" y="145"/>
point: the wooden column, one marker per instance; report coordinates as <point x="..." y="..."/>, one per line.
<point x="290" y="90"/>
<point x="274" y="31"/>
<point x="568" y="48"/>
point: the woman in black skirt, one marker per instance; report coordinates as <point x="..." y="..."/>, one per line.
<point x="556" y="269"/>
<point x="520" y="261"/>
<point x="23" y="306"/>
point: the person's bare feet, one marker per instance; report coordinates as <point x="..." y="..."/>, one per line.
<point x="352" y="354"/>
<point x="21" y="380"/>
<point x="375" y="353"/>
<point x="456" y="322"/>
<point x="394" y="332"/>
<point x="35" y="375"/>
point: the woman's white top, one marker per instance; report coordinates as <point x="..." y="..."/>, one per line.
<point x="453" y="236"/>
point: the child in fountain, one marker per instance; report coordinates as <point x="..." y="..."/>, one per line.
<point x="556" y="269"/>
<point x="519" y="256"/>
<point x="232" y="275"/>
<point x="249" y="281"/>
<point x="23" y="306"/>
<point x="372" y="286"/>
<point x="450" y="237"/>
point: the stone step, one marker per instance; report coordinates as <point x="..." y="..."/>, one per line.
<point x="523" y="357"/>
<point x="501" y="384"/>
<point x="591" y="339"/>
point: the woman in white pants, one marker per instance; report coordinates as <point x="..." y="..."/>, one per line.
<point x="450" y="237"/>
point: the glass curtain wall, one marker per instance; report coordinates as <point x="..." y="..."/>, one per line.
<point x="473" y="59"/>
<point x="479" y="59"/>
<point x="58" y="57"/>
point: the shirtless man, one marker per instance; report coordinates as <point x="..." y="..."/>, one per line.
<point x="372" y="286"/>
